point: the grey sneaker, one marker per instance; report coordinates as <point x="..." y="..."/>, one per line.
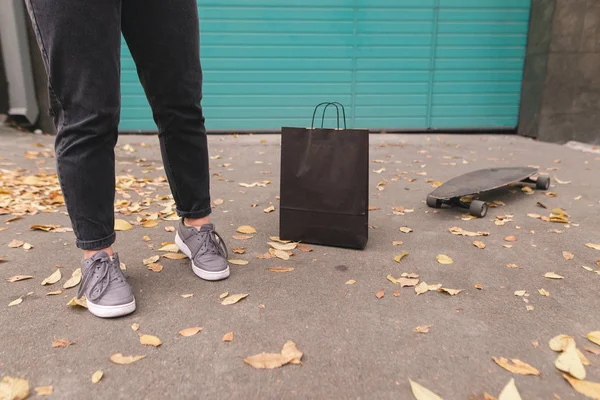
<point x="103" y="284"/>
<point x="206" y="249"/>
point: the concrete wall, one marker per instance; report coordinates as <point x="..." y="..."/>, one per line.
<point x="561" y="85"/>
<point x="3" y="87"/>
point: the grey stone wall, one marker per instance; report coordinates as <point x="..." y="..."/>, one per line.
<point x="561" y="85"/>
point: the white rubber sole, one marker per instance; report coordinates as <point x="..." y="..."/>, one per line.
<point x="206" y="275"/>
<point x="111" y="311"/>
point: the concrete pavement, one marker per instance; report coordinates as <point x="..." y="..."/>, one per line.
<point x="355" y="345"/>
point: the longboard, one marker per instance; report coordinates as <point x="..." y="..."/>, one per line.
<point x="481" y="181"/>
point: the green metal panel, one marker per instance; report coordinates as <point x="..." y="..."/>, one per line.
<point x="394" y="64"/>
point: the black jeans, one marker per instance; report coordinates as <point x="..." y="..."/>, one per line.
<point x="80" y="43"/>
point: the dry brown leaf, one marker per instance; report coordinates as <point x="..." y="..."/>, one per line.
<point x="277" y="239"/>
<point x="304" y="248"/>
<point x="45" y="228"/>
<point x="27" y="246"/>
<point x="56" y="292"/>
<point x="279" y="254"/>
<point x="18" y="278"/>
<point x="61" y="343"/>
<point x="560" y="181"/>
<point x="520" y="293"/>
<point x="478" y="286"/>
<point x="421" y="288"/>
<point x="451" y="292"/>
<point x="458" y="231"/>
<point x="174" y="256"/>
<point x="266" y="360"/>
<point x="151" y="260"/>
<point x="397" y="242"/>
<point x="593" y="246"/>
<point x="154" y="267"/>
<point x="281" y="269"/>
<point x="510" y="391"/>
<point x="119" y="358"/>
<point x="169" y="247"/>
<point x="239" y="250"/>
<point x="586" y="388"/>
<point x="405" y="229"/>
<point x="510" y="239"/>
<point x="16" y="302"/>
<point x="380" y="294"/>
<point x="81" y="302"/>
<point x="515" y="266"/>
<point x="52" y="279"/>
<point x="399" y="257"/>
<point x="543" y="292"/>
<point x="190" y="331"/>
<point x="170" y="228"/>
<point x="149" y="223"/>
<point x="223" y="295"/>
<point x="135" y="326"/>
<point x="238" y="262"/>
<point x="269" y="209"/>
<point x="478" y="244"/>
<point x="234" y="298"/>
<point x="422" y="329"/>
<point x="422" y="393"/>
<point x="242" y="237"/>
<point x="74" y="280"/>
<point x="15" y="244"/>
<point x="594" y="337"/>
<point x="568" y="361"/>
<point x="14" y="388"/>
<point x="412" y="275"/>
<point x="149" y="340"/>
<point x="146" y="238"/>
<point x="396" y="293"/>
<point x="444" y="259"/>
<point x="516" y="366"/>
<point x="228" y="337"/>
<point x="290" y="351"/>
<point x="282" y="246"/>
<point x="246" y="229"/>
<point x="552" y="275"/>
<point x="403" y="282"/>
<point x="351" y="282"/>
<point x="122" y="225"/>
<point x="97" y="376"/>
<point x="487" y="396"/>
<point x="568" y="255"/>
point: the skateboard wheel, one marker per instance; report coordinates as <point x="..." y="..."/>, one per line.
<point x="542" y="183"/>
<point x="478" y="208"/>
<point x="433" y="202"/>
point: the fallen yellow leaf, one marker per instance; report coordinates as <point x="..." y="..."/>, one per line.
<point x="154" y="267"/>
<point x="14" y="388"/>
<point x="510" y="391"/>
<point x="122" y="360"/>
<point x="451" y="292"/>
<point x="15" y="244"/>
<point x="351" y="282"/>
<point x="149" y="223"/>
<point x="18" y="278"/>
<point x="56" y="292"/>
<point x="44" y="390"/>
<point x="239" y="250"/>
<point x="27" y="246"/>
<point x="81" y="302"/>
<point x="422" y="329"/>
<point x="593" y="246"/>
<point x="45" y="228"/>
<point x="52" y="279"/>
<point x="170" y="248"/>
<point x="248" y="230"/>
<point x="135" y="326"/>
<point x="281" y="269"/>
<point x="146" y="238"/>
<point x="593" y="350"/>
<point x="543" y="292"/>
<point x="151" y="260"/>
<point x="291" y="352"/>
<point x="234" y="298"/>
<point x="568" y="255"/>
<point x="458" y="231"/>
<point x="122" y="225"/>
<point x="444" y="259"/>
<point x="304" y="248"/>
<point x="174" y="256"/>
<point x="568" y="361"/>
<point x="223" y="295"/>
<point x="399" y="257"/>
<point x="516" y="366"/>
<point x="594" y="337"/>
<point x="405" y="229"/>
<point x="478" y="244"/>
<point x="380" y="294"/>
<point x="552" y="275"/>
<point x="228" y="337"/>
<point x="266" y="360"/>
<point x="16" y="302"/>
<point x="61" y="343"/>
<point x="149" y="340"/>
<point x="74" y="280"/>
<point x="403" y="282"/>
<point x="421" y="288"/>
<point x="586" y="388"/>
<point x="269" y="209"/>
<point x="397" y="242"/>
<point x="190" y="331"/>
<point x="97" y="376"/>
<point x="510" y="239"/>
<point x="279" y="254"/>
<point x="515" y="266"/>
<point x="238" y="262"/>
<point x="282" y="246"/>
<point x="422" y="393"/>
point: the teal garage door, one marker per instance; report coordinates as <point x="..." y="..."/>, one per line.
<point x="394" y="64"/>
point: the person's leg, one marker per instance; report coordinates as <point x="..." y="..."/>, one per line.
<point x="163" y="38"/>
<point x="80" y="44"/>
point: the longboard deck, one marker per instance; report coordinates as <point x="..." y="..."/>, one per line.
<point x="480" y="181"/>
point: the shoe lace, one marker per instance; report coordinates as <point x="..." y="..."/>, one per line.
<point x="104" y="271"/>
<point x="212" y="243"/>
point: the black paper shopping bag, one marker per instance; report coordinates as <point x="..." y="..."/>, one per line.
<point x="325" y="184"/>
